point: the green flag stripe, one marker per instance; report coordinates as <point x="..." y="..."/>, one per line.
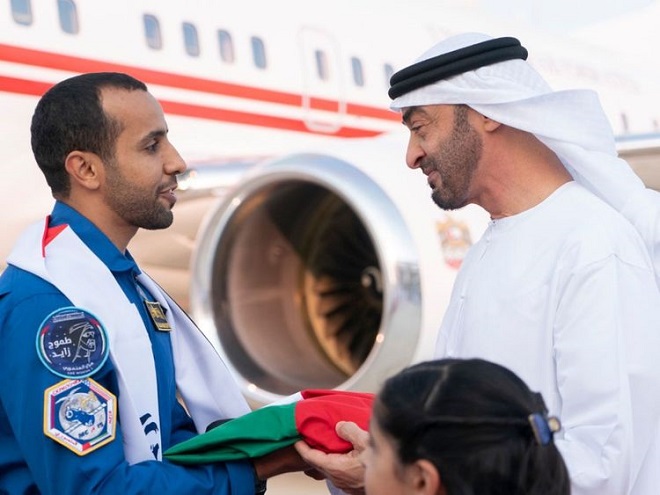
<point x="255" y="434"/>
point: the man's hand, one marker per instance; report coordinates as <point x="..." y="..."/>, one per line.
<point x="345" y="471"/>
<point x="281" y="461"/>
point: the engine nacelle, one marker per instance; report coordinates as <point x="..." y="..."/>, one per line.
<point x="330" y="269"/>
<point x="327" y="270"/>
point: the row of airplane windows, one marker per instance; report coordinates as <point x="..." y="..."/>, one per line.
<point x="69" y="23"/>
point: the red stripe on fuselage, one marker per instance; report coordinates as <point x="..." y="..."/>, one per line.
<point x="236" y="117"/>
<point x="69" y="63"/>
<point x="34" y="88"/>
<point x="23" y="86"/>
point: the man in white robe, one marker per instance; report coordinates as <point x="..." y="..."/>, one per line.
<point x="561" y="288"/>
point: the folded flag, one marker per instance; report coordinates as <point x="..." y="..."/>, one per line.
<point x="311" y="418"/>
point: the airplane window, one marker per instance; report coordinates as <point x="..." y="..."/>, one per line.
<point x="624" y="123"/>
<point x="68" y="16"/>
<point x="191" y="39"/>
<point x="358" y="73"/>
<point x="152" y="32"/>
<point x="389" y="70"/>
<point x="21" y="11"/>
<point x="226" y="45"/>
<point x="322" y="67"/>
<point x="258" y="52"/>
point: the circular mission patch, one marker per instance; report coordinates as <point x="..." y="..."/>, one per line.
<point x="72" y="343"/>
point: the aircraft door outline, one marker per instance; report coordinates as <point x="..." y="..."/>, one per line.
<point x="323" y="100"/>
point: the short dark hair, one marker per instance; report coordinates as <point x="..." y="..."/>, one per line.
<point x="484" y="445"/>
<point x="69" y="117"/>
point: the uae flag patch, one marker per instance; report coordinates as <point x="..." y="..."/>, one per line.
<point x="311" y="416"/>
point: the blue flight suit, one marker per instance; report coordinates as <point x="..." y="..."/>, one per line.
<point x="31" y="462"/>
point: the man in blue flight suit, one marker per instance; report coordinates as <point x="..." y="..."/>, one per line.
<point x="93" y="353"/>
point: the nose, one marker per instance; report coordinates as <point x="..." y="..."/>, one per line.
<point x="174" y="164"/>
<point x="414" y="154"/>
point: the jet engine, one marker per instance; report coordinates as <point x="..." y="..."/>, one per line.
<point x="325" y="269"/>
<point x="329" y="269"/>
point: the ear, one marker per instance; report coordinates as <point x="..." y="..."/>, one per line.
<point x="424" y="479"/>
<point x="481" y="122"/>
<point x="85" y="169"/>
<point x="489" y="124"/>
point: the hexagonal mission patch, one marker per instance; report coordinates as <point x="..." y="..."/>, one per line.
<point x="80" y="415"/>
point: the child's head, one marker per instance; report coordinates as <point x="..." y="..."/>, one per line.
<point x="473" y="423"/>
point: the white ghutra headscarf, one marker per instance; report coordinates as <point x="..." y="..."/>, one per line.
<point x="571" y="123"/>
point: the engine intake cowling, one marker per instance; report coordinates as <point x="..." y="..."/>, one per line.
<point x="309" y="275"/>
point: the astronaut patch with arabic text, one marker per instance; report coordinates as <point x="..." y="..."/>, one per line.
<point x="72" y="343"/>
